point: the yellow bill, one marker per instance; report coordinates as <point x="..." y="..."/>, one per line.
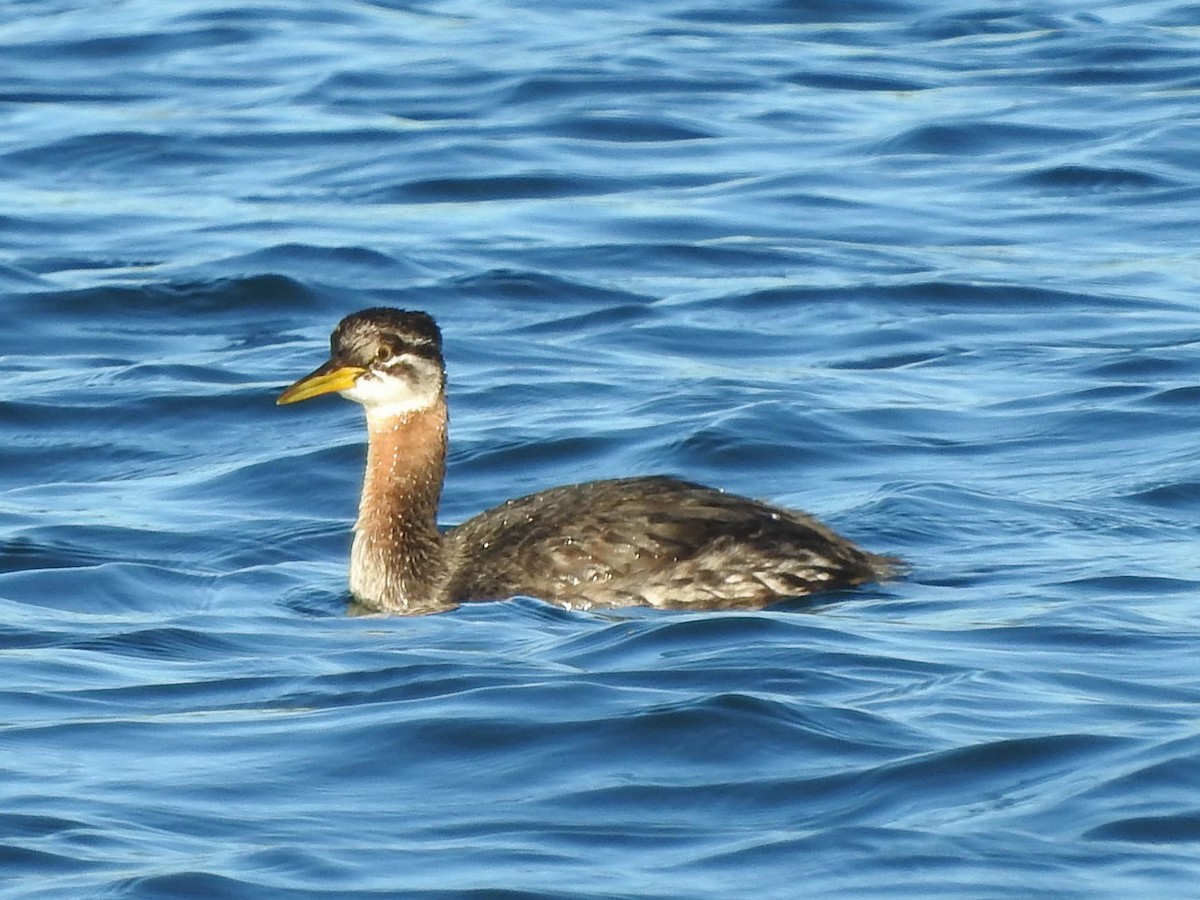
<point x="329" y="378"/>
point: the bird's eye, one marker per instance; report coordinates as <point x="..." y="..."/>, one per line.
<point x="383" y="354"/>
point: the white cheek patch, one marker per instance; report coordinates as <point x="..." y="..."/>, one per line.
<point x="417" y="387"/>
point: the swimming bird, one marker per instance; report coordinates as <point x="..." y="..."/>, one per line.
<point x="654" y="540"/>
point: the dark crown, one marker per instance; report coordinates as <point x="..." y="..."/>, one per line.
<point x="364" y="336"/>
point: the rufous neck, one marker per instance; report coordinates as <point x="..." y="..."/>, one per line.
<point x="406" y="462"/>
<point x="396" y="559"/>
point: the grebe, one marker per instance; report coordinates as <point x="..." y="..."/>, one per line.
<point x="655" y="541"/>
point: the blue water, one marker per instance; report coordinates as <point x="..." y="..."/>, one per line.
<point x="927" y="270"/>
